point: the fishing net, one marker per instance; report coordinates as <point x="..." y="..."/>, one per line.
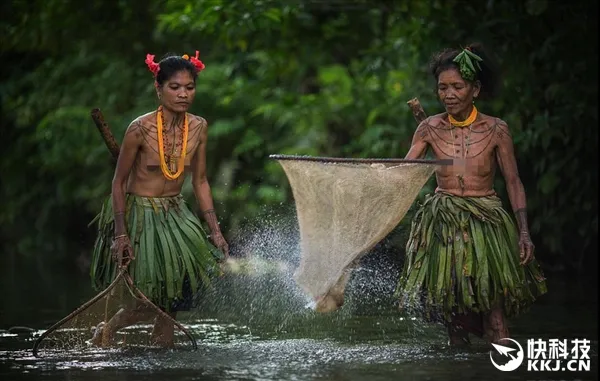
<point x="83" y="328"/>
<point x="344" y="208"/>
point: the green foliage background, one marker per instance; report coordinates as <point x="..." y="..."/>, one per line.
<point x="328" y="78"/>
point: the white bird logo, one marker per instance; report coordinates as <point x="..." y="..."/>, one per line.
<point x="514" y="362"/>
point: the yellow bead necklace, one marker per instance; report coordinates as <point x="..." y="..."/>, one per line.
<point x="465" y="122"/>
<point x="161" y="152"/>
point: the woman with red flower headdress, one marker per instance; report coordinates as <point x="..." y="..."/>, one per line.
<point x="147" y="224"/>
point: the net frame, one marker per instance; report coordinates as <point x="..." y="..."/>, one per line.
<point x="122" y="278"/>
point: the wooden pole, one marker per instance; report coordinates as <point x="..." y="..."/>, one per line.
<point x="419" y="115"/>
<point x="417" y="110"/>
<point x="105" y="132"/>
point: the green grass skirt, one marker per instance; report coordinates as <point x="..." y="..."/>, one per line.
<point x="173" y="257"/>
<point x="463" y="256"/>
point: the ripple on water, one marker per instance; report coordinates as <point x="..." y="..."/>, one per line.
<point x="264" y="332"/>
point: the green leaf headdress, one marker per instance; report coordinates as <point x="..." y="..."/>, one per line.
<point x="467" y="62"/>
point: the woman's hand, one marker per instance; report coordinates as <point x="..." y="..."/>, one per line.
<point x="526" y="248"/>
<point x="122" y="252"/>
<point x="219" y="241"/>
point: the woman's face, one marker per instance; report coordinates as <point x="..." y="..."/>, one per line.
<point x="455" y="93"/>
<point x="178" y="92"/>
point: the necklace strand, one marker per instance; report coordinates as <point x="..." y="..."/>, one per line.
<point x="467" y="138"/>
<point x="163" y="164"/>
<point x="466" y="122"/>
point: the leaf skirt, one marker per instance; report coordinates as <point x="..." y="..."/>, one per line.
<point x="462" y="256"/>
<point x="173" y="257"/>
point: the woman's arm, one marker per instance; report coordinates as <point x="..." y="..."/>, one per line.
<point x="127" y="154"/>
<point x="418" y="147"/>
<point x="203" y="192"/>
<point x="121" y="248"/>
<point x="507" y="162"/>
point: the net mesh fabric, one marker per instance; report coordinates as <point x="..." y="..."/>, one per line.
<point x="343" y="210"/>
<point x="79" y="330"/>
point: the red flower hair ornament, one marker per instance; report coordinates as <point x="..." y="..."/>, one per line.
<point x="154" y="67"/>
<point x="196" y="62"/>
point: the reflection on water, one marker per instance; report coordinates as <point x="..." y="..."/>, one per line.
<point x="254" y="326"/>
<point x="230" y="352"/>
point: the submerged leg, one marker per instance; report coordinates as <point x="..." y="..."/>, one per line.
<point x="105" y="332"/>
<point x="163" y="331"/>
<point x="462" y="325"/>
<point x="457" y="336"/>
<point x="334" y="299"/>
<point x="496" y="326"/>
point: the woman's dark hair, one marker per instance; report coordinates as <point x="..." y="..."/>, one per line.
<point x="171" y="64"/>
<point x="488" y="75"/>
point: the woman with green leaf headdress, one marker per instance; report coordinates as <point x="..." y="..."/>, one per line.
<point x="468" y="264"/>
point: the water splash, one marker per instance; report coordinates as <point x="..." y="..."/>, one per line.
<point x="259" y="291"/>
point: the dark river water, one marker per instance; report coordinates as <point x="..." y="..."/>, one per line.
<point x="256" y="326"/>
